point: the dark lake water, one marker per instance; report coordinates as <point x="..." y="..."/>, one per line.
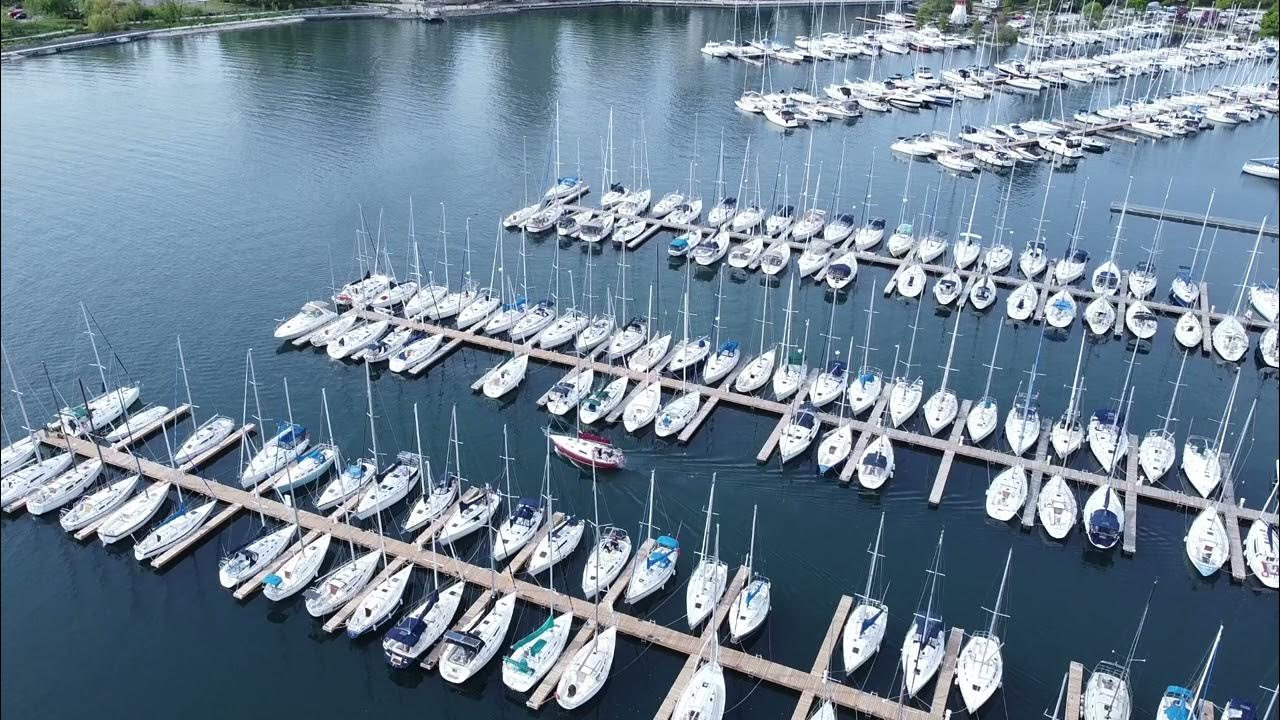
<point x="207" y="186"/>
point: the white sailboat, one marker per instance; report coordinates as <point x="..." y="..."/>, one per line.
<point x="1007" y="493"/>
<point x="1262" y="546"/>
<point x="1109" y="428"/>
<point x="1201" y="456"/>
<point x="865" y="627"/>
<point x="133" y="514"/>
<point x="985" y="413"/>
<point x="609" y="554"/>
<point x="759" y="369"/>
<point x="1107" y="693"/>
<point x="1206" y="542"/>
<point x="867" y="387"/>
<point x="980" y="666"/>
<point x="470" y="649"/>
<point x="561" y="540"/>
<point x="1106" y="277"/>
<point x="524" y="518"/>
<point x="423" y="624"/>
<point x="656" y="564"/>
<point x="707" y="584"/>
<point x="1230" y="340"/>
<point x="751" y="606"/>
<point x="832" y="381"/>
<point x="725" y="358"/>
<point x="905" y="393"/>
<point x="924" y="645"/>
<point x="704" y="697"/>
<point x="182" y="523"/>
<point x="297" y="571"/>
<point x="791" y="371"/>
<point x="875" y="467"/>
<point x="1056" y="507"/>
<point x="1157" y="451"/>
<point x="941" y="407"/>
<point x="643" y="407"/>
<point x="1067" y="434"/>
<point x="534" y="654"/>
<point x="341" y="585"/>
<point x="1022" y="425"/>
<point x="20" y="479"/>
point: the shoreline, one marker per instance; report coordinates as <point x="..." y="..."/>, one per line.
<point x="398" y="11"/>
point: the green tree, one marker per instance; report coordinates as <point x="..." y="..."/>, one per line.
<point x="53" y="8"/>
<point x="1093" y="12"/>
<point x="1226" y="4"/>
<point x="1138" y="5"/>
<point x="1269" y="21"/>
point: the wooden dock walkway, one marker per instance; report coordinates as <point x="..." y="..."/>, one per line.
<point x="949" y="455"/>
<point x="709" y="632"/>
<point x="822" y="662"/>
<point x="905" y="437"/>
<point x="645" y="630"/>
<point x="1195" y="218"/>
<point x="1131" y="498"/>
<point x="1075" y="692"/>
<point x="946" y="674"/>
<point x="1036" y="479"/>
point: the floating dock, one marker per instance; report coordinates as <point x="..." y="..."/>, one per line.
<point x="692" y="646"/>
<point x="1190" y="218"/>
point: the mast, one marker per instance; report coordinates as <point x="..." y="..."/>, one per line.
<point x="991" y="366"/>
<point x="1120" y="225"/>
<point x="751" y="548"/>
<point x="26" y="421"/>
<point x="191" y="406"/>
<point x="595" y="510"/>
<point x="946" y="369"/>
<point x="866" y="343"/>
<point x="648" y="523"/>
<point x="995" y="612"/>
<point x="417" y="436"/>
<point x="1168" y="414"/>
<point x="915" y="325"/>
<point x="1075" y="381"/>
<point x="97" y="361"/>
<point x="706" y="528"/>
<point x="1133" y="647"/>
<point x="1195" y="256"/>
<point x="875" y="555"/>
<point x="719" y="298"/>
<point x="1253" y="255"/>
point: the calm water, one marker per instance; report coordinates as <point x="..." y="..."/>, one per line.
<point x="207" y="186"/>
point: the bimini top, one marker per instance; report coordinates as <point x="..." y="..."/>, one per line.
<point x="904" y="229"/>
<point x="836" y="368"/>
<point x="1107" y="416"/>
<point x="1104" y="524"/>
<point x="1180" y="708"/>
<point x="878" y="223"/>
<point x="568" y="180"/>
<point x="1079" y="255"/>
<point x="785" y="210"/>
<point x="729" y="346"/>
<point x="466" y="640"/>
<point x="927" y="627"/>
<point x="807" y="415"/>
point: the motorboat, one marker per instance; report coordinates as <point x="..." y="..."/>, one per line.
<point x="1007" y="493"/>
<point x="313" y="316"/>
<point x="588" y="450"/>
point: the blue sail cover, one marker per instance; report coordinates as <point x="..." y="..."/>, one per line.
<point x="662" y="555"/>
<point x="1180" y="706"/>
<point x="569" y="180"/>
<point x="729" y="347"/>
<point x="871" y="620"/>
<point x="836" y="368"/>
<point x="1104" y="528"/>
<point x="289" y="434"/>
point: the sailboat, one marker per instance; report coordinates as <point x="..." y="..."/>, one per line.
<point x="424" y="623"/>
<point x="1179" y="702"/>
<point x="643" y="407"/>
<point x="567" y="185"/>
<point x="704" y="697"/>
<point x="710" y="575"/>
<point x="298" y="570"/>
<point x="980" y="666"/>
<point x="864" y="629"/>
<point x="609" y="554"/>
<point x="21" y="479"/>
<point x="1206" y="541"/>
<point x="1230" y="340"/>
<point x="534" y="654"/>
<point x="924" y="645"/>
<point x="570" y="390"/>
<point x="725" y="358"/>
<point x="832" y="381"/>
<point x="759" y="369"/>
<point x="435" y="495"/>
<point x="589" y="667"/>
<point x="905" y="394"/>
<point x="1109" y="427"/>
<point x="984" y="414"/>
<point x="522" y="521"/>
<point x="1107" y="694"/>
<point x="468" y="650"/>
<point x="561" y="540"/>
<point x="184" y="521"/>
<point x="1071" y="266"/>
<point x="1067" y="434"/>
<point x="1262" y="546"/>
<point x="689" y="351"/>
<point x="1157" y="451"/>
<point x="941" y="407"/>
<point x="1201" y="456"/>
<point x="652" y="568"/>
<point x="1106" y="277"/>
<point x="866" y="388"/>
<point x="1056" y="507"/>
<point x="600" y="325"/>
<point x="1184" y="290"/>
<point x="1007" y="493"/>
<point x="751" y="607"/>
<point x="1022" y="425"/>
